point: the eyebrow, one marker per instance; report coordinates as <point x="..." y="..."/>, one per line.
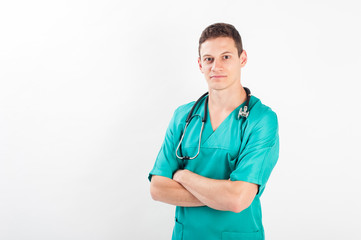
<point x="205" y="55"/>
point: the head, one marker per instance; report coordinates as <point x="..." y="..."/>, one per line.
<point x="221" y="56"/>
<point x="221" y="30"/>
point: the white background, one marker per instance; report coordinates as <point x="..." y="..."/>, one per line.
<point x="87" y="89"/>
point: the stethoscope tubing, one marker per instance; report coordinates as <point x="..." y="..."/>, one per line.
<point x="242" y="113"/>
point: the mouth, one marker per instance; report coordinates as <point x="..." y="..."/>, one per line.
<point x="218" y="76"/>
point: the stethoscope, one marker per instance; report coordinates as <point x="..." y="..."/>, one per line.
<point x="243" y="112"/>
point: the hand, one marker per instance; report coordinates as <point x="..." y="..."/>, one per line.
<point x="178" y="175"/>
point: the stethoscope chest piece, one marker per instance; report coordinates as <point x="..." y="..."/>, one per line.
<point x="243" y="112"/>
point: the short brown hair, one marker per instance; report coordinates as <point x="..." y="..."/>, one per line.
<point x="221" y="30"/>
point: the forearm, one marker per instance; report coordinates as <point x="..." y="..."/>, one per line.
<point x="217" y="194"/>
<point x="169" y="191"/>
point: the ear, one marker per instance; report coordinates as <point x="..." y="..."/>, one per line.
<point x="243" y="58"/>
<point x="200" y="64"/>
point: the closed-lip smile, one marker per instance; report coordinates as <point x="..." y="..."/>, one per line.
<point x="217" y="76"/>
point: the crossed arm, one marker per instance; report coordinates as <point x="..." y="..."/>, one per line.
<point x="189" y="189"/>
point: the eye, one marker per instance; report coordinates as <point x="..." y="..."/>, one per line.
<point x="208" y="59"/>
<point x="226" y="57"/>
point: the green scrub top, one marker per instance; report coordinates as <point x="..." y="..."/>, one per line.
<point x="239" y="150"/>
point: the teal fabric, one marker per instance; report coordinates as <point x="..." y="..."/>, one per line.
<point x="239" y="150"/>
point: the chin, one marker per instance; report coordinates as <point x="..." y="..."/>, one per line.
<point x="217" y="86"/>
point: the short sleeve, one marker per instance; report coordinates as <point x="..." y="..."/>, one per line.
<point x="260" y="154"/>
<point x="166" y="162"/>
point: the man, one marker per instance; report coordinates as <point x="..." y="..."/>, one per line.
<point x="218" y="172"/>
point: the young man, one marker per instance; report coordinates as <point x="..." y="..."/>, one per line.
<point x="215" y="173"/>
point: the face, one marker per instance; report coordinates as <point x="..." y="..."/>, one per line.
<point x="220" y="63"/>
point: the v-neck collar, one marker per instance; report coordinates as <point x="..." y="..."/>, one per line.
<point x="226" y="119"/>
<point x="208" y="129"/>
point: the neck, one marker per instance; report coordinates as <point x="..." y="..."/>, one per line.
<point x="226" y="99"/>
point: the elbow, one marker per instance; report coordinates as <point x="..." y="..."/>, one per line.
<point x="154" y="192"/>
<point x="158" y="187"/>
<point x="242" y="198"/>
<point x="238" y="204"/>
<point x="237" y="207"/>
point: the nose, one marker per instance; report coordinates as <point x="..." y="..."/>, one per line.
<point x="217" y="65"/>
